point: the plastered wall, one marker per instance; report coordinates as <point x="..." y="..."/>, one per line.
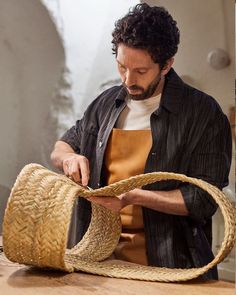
<point x="32" y="62"/>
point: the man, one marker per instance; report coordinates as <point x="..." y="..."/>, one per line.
<point x="153" y="122"/>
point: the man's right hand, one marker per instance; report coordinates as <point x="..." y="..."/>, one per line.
<point x="73" y="165"/>
<point x="76" y="167"/>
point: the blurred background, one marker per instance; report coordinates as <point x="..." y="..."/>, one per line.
<point x="56" y="57"/>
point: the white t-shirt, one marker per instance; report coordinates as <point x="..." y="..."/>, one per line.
<point x="136" y="115"/>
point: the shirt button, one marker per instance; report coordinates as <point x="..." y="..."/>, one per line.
<point x="154" y="153"/>
<point x="98" y="184"/>
<point x="100" y="144"/>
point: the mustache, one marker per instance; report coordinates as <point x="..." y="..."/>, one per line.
<point x="134" y="87"/>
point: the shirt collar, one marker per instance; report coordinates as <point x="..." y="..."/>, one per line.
<point x="172" y="95"/>
<point x="121" y="95"/>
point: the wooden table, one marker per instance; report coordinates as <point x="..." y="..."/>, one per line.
<point x="22" y="280"/>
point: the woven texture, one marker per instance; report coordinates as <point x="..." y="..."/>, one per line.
<point x="38" y="215"/>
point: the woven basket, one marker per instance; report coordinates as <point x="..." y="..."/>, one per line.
<point x="38" y="215"/>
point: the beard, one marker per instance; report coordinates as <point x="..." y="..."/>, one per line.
<point x="145" y="93"/>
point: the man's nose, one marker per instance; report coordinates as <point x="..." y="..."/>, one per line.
<point x="129" y="79"/>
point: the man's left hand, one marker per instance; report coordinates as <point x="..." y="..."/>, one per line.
<point x="112" y="203"/>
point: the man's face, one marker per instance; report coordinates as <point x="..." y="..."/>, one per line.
<point x="139" y="74"/>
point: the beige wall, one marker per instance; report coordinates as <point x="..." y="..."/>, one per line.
<point x="32" y="59"/>
<point x="31" y="63"/>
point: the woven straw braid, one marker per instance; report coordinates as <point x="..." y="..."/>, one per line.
<point x="38" y="215"/>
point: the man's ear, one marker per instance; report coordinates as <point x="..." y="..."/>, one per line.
<point x="167" y="66"/>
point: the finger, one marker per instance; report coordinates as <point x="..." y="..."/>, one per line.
<point x="65" y="166"/>
<point x="104" y="201"/>
<point x="75" y="171"/>
<point x="96" y="200"/>
<point x="93" y="200"/>
<point x="84" y="170"/>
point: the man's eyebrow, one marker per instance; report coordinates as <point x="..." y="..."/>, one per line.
<point x="119" y="63"/>
<point x="138" y="68"/>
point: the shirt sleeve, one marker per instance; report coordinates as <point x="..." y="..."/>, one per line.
<point x="72" y="136"/>
<point x="211" y="162"/>
<point x="91" y="118"/>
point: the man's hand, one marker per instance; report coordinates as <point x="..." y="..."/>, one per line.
<point x="170" y="202"/>
<point x="76" y="167"/>
<point x="73" y="165"/>
<point x="112" y="203"/>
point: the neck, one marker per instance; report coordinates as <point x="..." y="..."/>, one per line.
<point x="160" y="86"/>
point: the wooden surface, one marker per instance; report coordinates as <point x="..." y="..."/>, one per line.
<point x="22" y="280"/>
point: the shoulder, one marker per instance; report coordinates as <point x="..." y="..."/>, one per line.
<point x="109" y="95"/>
<point x="190" y="101"/>
<point x="103" y="103"/>
<point x="201" y="102"/>
<point x="105" y="99"/>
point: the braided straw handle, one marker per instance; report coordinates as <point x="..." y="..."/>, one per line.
<point x="38" y="214"/>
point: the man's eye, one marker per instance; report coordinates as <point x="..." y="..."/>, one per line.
<point x="122" y="68"/>
<point x="142" y="72"/>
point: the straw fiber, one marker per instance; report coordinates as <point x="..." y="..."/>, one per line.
<point x="38" y="215"/>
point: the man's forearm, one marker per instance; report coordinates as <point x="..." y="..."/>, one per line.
<point x="60" y="152"/>
<point x="170" y="202"/>
<point x="73" y="165"/>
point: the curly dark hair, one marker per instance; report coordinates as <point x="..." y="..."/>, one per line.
<point x="149" y="28"/>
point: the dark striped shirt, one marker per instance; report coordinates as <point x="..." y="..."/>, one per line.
<point x="191" y="135"/>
